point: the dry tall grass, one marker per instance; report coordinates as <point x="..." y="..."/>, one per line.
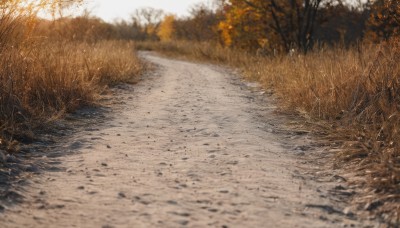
<point x="43" y="77"/>
<point x="357" y="91"/>
<point x="40" y="80"/>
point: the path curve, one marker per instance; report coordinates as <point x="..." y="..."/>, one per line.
<point x="189" y="146"/>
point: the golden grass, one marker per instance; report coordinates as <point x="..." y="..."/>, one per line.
<point x="40" y="80"/>
<point x="356" y="91"/>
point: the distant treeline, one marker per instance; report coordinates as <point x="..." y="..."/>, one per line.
<point x="253" y="25"/>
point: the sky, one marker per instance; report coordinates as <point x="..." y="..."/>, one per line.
<point x="109" y="10"/>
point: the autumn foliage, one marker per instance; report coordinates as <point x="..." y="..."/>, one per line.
<point x="280" y="26"/>
<point x="270" y="24"/>
<point x="384" y="21"/>
<point x="244" y="26"/>
<point x="166" y="31"/>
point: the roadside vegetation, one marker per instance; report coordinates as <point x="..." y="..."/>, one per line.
<point x="49" y="68"/>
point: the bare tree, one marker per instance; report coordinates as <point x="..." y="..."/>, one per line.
<point x="149" y="19"/>
<point x="293" y="20"/>
<point x="200" y="24"/>
<point x="146" y="16"/>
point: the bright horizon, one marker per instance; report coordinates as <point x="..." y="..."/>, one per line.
<point x="110" y="10"/>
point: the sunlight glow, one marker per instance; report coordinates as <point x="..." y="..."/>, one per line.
<point x="111" y="10"/>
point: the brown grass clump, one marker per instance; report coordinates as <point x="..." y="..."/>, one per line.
<point x="48" y="68"/>
<point x="42" y="80"/>
<point x="42" y="77"/>
<point x="43" y="74"/>
<point x="357" y="91"/>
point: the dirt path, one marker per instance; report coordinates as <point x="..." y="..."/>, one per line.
<point x="191" y="146"/>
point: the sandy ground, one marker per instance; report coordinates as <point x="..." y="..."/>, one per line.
<point x="189" y="146"/>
